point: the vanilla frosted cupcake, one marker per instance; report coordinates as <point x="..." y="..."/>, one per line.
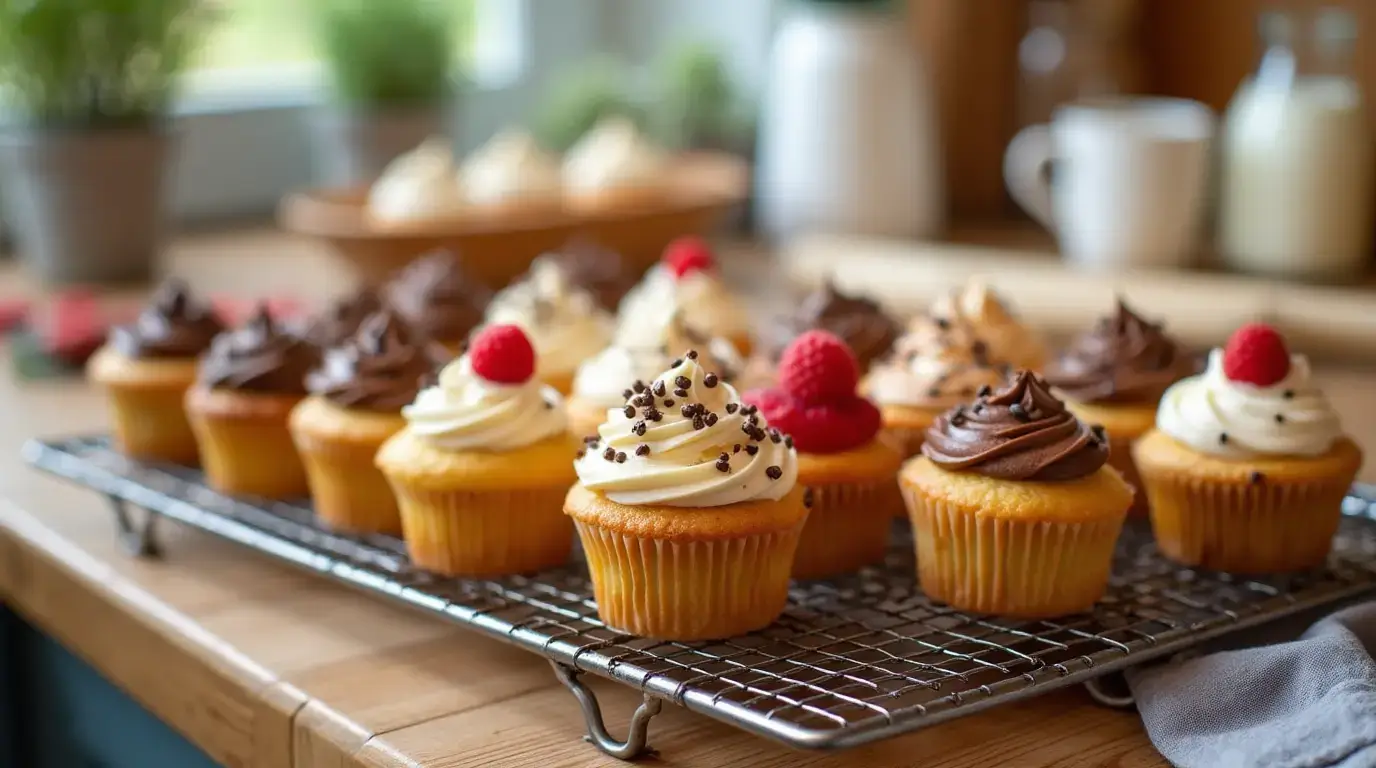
<point x="1248" y="466"/>
<point x="687" y="279"/>
<point x="512" y="174"/>
<point x="612" y="167"/>
<point x="689" y="511"/>
<point x="642" y="348"/>
<point x="482" y="465"/>
<point x="976" y="318"/>
<point x="417" y="187"/>
<point x="563" y="321"/>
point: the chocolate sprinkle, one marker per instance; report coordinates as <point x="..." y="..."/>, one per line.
<point x="659" y="388"/>
<point x="788" y="441"/>
<point x="942" y="323"/>
<point x="629" y="411"/>
<point x="609" y="454"/>
<point x="1288" y="394"/>
<point x="1019" y="412"/>
<point x="807" y="498"/>
<point x="642" y="450"/>
<point x="978" y="407"/>
<point x="681" y="392"/>
<point x="774" y="435"/>
<point x="1223" y="438"/>
<point x="638" y="386"/>
<point x="626" y="394"/>
<point x="983" y="391"/>
<point x="653" y="414"/>
<point x="724" y="457"/>
<point x="736" y="448"/>
<point x="682" y="382"/>
<point x="731" y="407"/>
<point x="711" y="419"/>
<point x="688" y="411"/>
<point x="698" y="423"/>
<point x="639" y="429"/>
<point x="1280" y="418"/>
<point x="677" y="362"/>
<point x="668" y="402"/>
<point x="774" y="472"/>
<point x="1255" y="478"/>
<point x="933" y="392"/>
<point x="710" y="380"/>
<point x="620" y="457"/>
<point x="582" y="453"/>
<point x="724" y="466"/>
<point x="752" y="449"/>
<point x="692" y="354"/>
<point x="591" y="439"/>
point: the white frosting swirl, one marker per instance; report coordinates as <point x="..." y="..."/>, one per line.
<point x="511" y="167"/>
<point x="929" y="372"/>
<point x="465" y="412"/>
<point x="641" y="349"/>
<point x="702" y="296"/>
<point x="417" y="186"/>
<point x="565" y="323"/>
<point x="1290" y="418"/>
<point x="613" y="155"/>
<point x="692" y="460"/>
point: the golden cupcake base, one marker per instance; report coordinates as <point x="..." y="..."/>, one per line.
<point x="338" y="447"/>
<point x="245" y="445"/>
<point x="145" y="397"/>
<point x="855" y="497"/>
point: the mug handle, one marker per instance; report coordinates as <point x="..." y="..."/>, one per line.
<point x="1025" y="165"/>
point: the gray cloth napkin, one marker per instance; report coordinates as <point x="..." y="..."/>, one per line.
<point x="1306" y="702"/>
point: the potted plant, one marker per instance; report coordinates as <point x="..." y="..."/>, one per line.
<point x="391" y="69"/>
<point x="580" y="97"/>
<point x="84" y="92"/>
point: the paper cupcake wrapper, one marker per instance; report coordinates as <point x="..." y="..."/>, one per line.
<point x="249" y="456"/>
<point x="348" y="490"/>
<point x="690" y="590"/>
<point x="151" y="423"/>
<point x="484" y="533"/>
<point x="1120" y="458"/>
<point x="847" y="529"/>
<point x="1022" y="568"/>
<point x="1267" y="527"/>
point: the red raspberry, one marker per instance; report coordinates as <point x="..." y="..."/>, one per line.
<point x="687" y="255"/>
<point x="502" y="354"/>
<point x="820" y="427"/>
<point x="1256" y="355"/>
<point x="818" y="367"/>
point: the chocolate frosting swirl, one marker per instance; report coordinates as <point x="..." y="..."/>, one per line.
<point x="596" y="269"/>
<point x="259" y="357"/>
<point x="342" y="319"/>
<point x="1021" y="432"/>
<point x="435" y="295"/>
<point x="859" y="321"/>
<point x="381" y="368"/>
<point x="1124" y="359"/>
<point x="173" y="324"/>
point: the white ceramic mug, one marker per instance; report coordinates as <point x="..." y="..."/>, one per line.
<point x="1129" y="179"/>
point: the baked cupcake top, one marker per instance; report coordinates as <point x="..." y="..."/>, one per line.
<point x="643" y="347"/>
<point x="932" y="371"/>
<point x="173" y="324"/>
<point x="259" y="357"/>
<point x="511" y="167"/>
<point x="815" y="402"/>
<point x="1124" y="359"/>
<point x="597" y="270"/>
<point x="612" y="155"/>
<point x="1253" y="399"/>
<point x="563" y="321"/>
<point x="418" y="185"/>
<point x="382" y="367"/>
<point x="858" y="321"/>
<point x="435" y="295"/>
<point x="686" y="440"/>
<point x="687" y="279"/>
<point x="341" y="320"/>
<point x="975" y="317"/>
<point x="488" y="399"/>
<point x="1018" y="432"/>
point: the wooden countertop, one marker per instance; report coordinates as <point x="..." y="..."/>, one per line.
<point x="261" y="665"/>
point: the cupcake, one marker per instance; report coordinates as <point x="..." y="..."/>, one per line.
<point x="923" y="377"/>
<point x="338" y="322"/>
<point x="594" y="268"/>
<point x="976" y="318"/>
<point x="688" y="509"/>
<point x="437" y="297"/>
<point x="249" y="382"/>
<point x="417" y="188"/>
<point x="642" y="348"/>
<point x="687" y="279"/>
<point x="841" y="460"/>
<point x="1247" y="467"/>
<point x="357" y="395"/>
<point x="511" y="174"/>
<point x="858" y="321"/>
<point x="1114" y="375"/>
<point x="1014" y="509"/>
<point x="614" y="168"/>
<point x="145" y="369"/>
<point x="563" y="321"/>
<point x="483" y="463"/>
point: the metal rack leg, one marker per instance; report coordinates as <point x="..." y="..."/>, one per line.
<point x="1111" y="690"/>
<point x="138" y="539"/>
<point x="637" y="739"/>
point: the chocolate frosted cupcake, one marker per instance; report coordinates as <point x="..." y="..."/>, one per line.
<point x="146" y="368"/>
<point x="1014" y="510"/>
<point x="1115" y="374"/>
<point x="356" y="399"/>
<point x="249" y="382"/>
<point x="593" y="268"/>
<point x="858" y="321"/>
<point x="436" y="296"/>
<point x="341" y="320"/>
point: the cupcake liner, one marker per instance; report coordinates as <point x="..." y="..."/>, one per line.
<point x="1266" y="527"/>
<point x="1012" y="567"/>
<point x="847" y="529"/>
<point x="150" y="423"/>
<point x="484" y="533"/>
<point x="249" y="454"/>
<point x="688" y="590"/>
<point x="1120" y="458"/>
<point x="348" y="490"/>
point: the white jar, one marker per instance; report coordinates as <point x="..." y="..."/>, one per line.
<point x="848" y="136"/>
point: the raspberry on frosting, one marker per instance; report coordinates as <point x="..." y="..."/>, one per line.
<point x="816" y="403"/>
<point x="1256" y="355"/>
<point x="687" y="255"/>
<point x="502" y="354"/>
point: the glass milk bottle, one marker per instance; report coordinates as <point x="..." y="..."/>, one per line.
<point x="1297" y="156"/>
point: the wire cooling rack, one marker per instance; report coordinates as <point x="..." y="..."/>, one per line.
<point x="851" y="661"/>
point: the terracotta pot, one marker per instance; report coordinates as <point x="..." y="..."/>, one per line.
<point x="86" y="206"/>
<point x="352" y="147"/>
